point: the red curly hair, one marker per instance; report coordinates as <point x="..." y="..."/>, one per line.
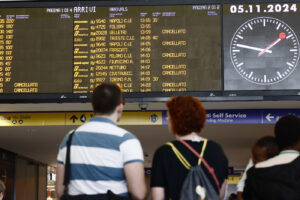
<point x="186" y="114"/>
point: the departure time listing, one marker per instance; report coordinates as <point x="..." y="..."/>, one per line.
<point x="148" y="48"/>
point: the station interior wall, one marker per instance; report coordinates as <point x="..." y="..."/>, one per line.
<point x="24" y="178"/>
<point x="35" y="147"/>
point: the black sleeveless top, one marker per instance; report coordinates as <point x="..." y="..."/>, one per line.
<point x="169" y="173"/>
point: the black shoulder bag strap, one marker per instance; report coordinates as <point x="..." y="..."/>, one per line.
<point x="67" y="165"/>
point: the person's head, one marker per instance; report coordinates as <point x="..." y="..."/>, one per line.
<point x="186" y="115"/>
<point x="2" y="189"/>
<point x="232" y="197"/>
<point x="264" y="148"/>
<point x="287" y="132"/>
<point x="107" y="99"/>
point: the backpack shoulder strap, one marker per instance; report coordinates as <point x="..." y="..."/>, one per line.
<point x="180" y="157"/>
<point x="202" y="151"/>
<point x="207" y="166"/>
<point x="67" y="173"/>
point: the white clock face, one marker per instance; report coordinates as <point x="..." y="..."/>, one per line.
<point x="264" y="50"/>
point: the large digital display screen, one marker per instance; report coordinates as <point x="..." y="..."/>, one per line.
<point x="141" y="48"/>
<point x="36" y="51"/>
<point x="261" y="46"/>
<point x="214" y="50"/>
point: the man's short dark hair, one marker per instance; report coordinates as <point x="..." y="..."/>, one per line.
<point x="270" y="145"/>
<point x="106" y="97"/>
<point x="287" y="131"/>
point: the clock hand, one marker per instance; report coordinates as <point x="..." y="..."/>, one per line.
<point x="252" y="48"/>
<point x="282" y="36"/>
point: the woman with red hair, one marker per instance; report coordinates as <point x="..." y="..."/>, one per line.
<point x="186" y="118"/>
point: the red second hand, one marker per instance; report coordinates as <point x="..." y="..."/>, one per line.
<point x="282" y="36"/>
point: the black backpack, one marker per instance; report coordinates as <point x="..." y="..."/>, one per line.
<point x="196" y="185"/>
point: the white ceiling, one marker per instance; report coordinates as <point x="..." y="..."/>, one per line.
<point x="41" y="143"/>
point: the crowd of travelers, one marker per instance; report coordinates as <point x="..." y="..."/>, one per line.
<point x="100" y="160"/>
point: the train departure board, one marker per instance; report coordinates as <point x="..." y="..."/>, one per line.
<point x="36" y="51"/>
<point x="216" y="50"/>
<point x="141" y="48"/>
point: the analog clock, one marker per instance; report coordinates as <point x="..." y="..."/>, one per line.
<point x="264" y="50"/>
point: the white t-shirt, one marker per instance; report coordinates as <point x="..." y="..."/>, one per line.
<point x="241" y="184"/>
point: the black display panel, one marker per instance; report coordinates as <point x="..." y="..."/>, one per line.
<point x="214" y="50"/>
<point x="148" y="48"/>
<point x="35" y="51"/>
<point x="70" y="50"/>
<point x="261" y="46"/>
